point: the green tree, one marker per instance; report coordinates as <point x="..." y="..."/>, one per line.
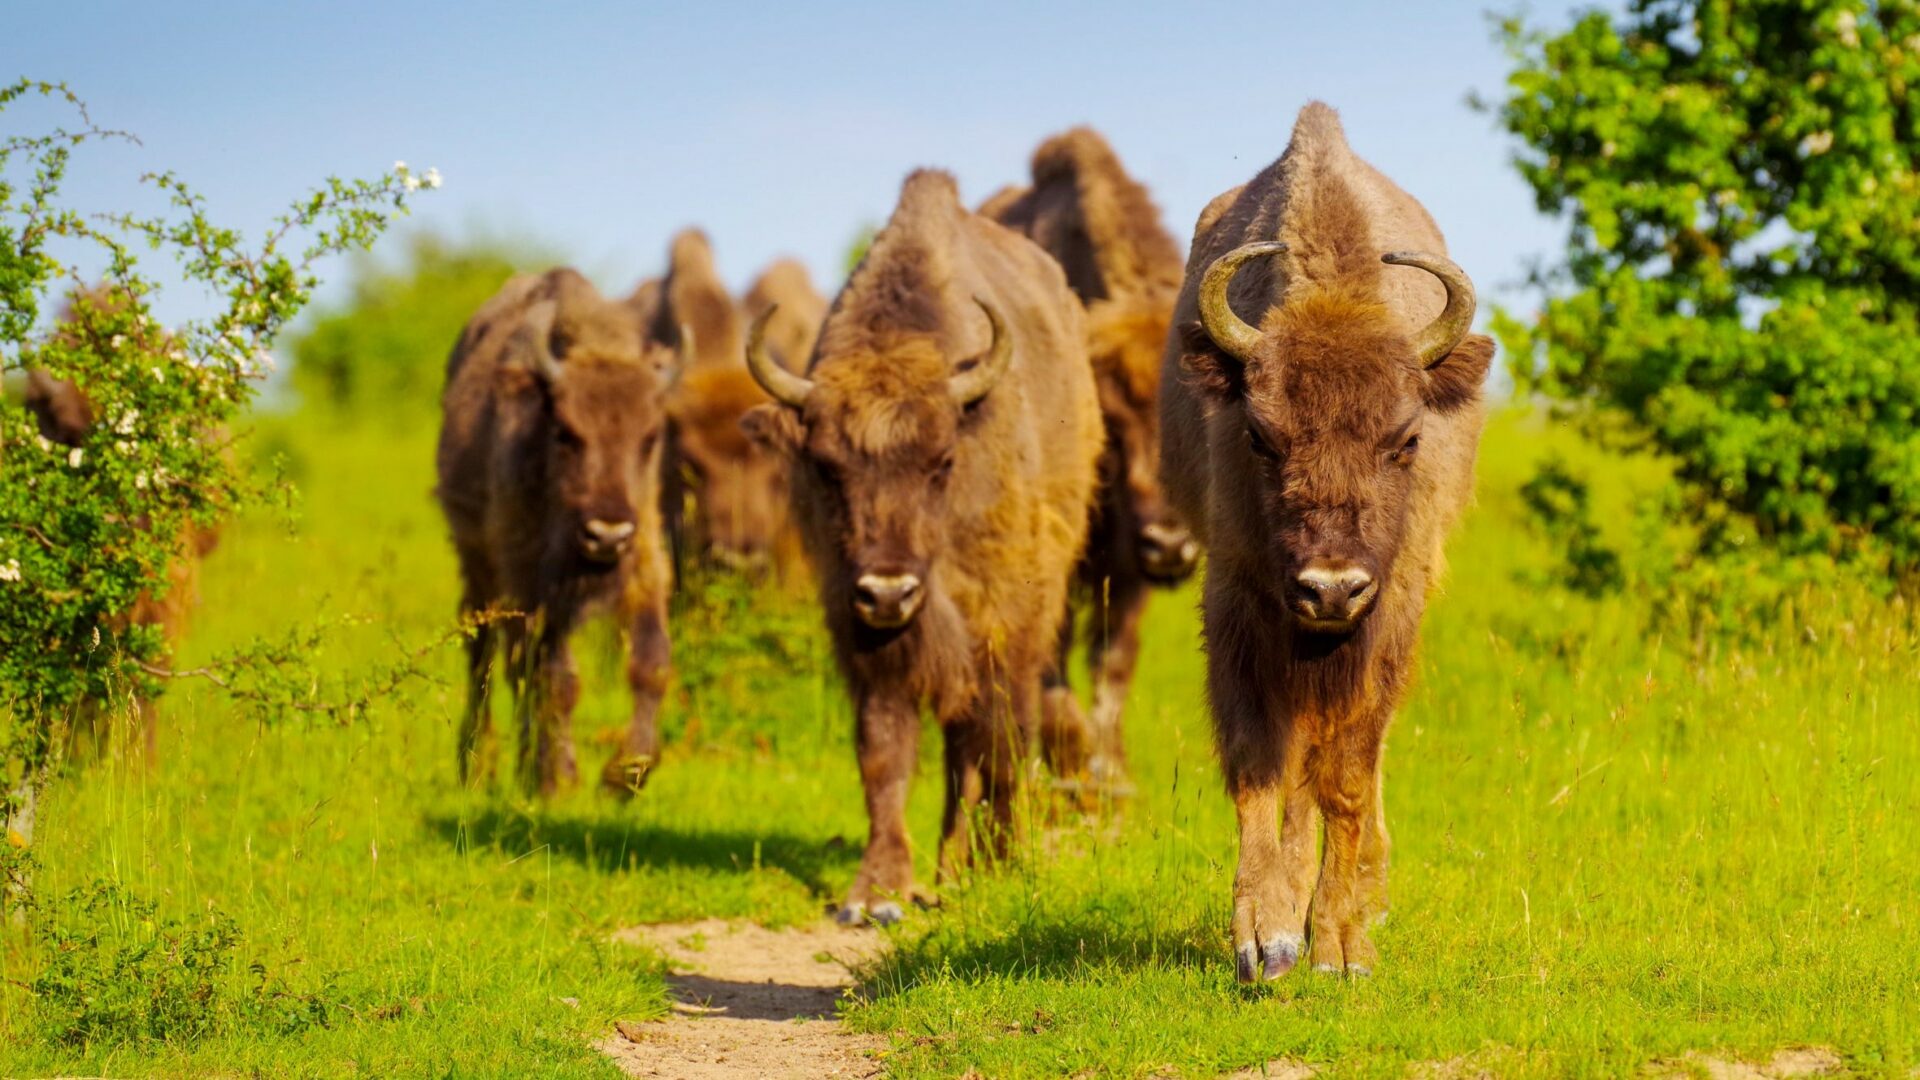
<point x="382" y="352"/>
<point x="86" y="530"/>
<point x="1741" y="284"/>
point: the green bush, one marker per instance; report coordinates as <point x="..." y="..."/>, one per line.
<point x="382" y="352"/>
<point x="1740" y="292"/>
<point x="86" y="531"/>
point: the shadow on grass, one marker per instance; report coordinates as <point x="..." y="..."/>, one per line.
<point x="1070" y="947"/>
<point x="612" y="845"/>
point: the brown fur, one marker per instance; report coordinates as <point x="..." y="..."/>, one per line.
<point x="525" y="462"/>
<point x="1331" y="396"/>
<point x="794" y="327"/>
<point x="986" y="505"/>
<point x="724" y="498"/>
<point x="1102" y="227"/>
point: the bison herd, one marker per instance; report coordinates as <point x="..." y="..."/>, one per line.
<point x="1010" y="421"/>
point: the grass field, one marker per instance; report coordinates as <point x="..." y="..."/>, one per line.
<point x="1610" y="849"/>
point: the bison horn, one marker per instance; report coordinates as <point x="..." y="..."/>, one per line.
<point x="785" y="387"/>
<point x="1442" y="334"/>
<point x="537" y="340"/>
<point x="972" y="384"/>
<point x="1229" y="331"/>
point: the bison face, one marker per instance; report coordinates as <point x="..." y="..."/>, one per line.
<point x="1124" y="344"/>
<point x="1316" y="424"/>
<point x="877" y="439"/>
<point x="740" y="486"/>
<point x="603" y="424"/>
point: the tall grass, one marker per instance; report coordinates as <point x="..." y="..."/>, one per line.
<point x="1611" y="848"/>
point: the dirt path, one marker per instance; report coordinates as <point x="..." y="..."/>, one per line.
<point x="750" y="1002"/>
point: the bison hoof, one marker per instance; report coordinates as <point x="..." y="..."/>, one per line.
<point x="1279" y="957"/>
<point x="624" y="777"/>
<point x="884" y="913"/>
<point x="1244" y="967"/>
<point x="1358" y="971"/>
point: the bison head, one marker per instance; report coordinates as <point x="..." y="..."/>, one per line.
<point x="1125" y="340"/>
<point x="741" y="486"/>
<point x="1318" y="420"/>
<point x="600" y="419"/>
<point x="875" y="446"/>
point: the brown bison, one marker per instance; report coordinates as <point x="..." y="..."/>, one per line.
<point x="548" y="466"/>
<point x="737" y="489"/>
<point x="943" y="447"/>
<point x="1321" y="416"/>
<point x="1103" y="228"/>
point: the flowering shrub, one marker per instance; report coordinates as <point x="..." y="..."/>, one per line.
<point x="1738" y="295"/>
<point x="87" y="530"/>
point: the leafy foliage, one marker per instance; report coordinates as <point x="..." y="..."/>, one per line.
<point x="382" y="353"/>
<point x="1739" y="291"/>
<point x="86" y="531"/>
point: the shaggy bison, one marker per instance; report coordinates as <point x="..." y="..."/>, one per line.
<point x="943" y="447"/>
<point x="548" y="465"/>
<point x="1321" y="415"/>
<point x="737" y="490"/>
<point x="1103" y="229"/>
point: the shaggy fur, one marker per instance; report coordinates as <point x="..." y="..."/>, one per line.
<point x="1103" y="228"/>
<point x="987" y="505"/>
<point x="526" y="460"/>
<point x="1304" y="453"/>
<point x="722" y="497"/>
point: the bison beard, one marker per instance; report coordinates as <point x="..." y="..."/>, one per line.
<point x="943" y="448"/>
<point x="548" y="465"/>
<point x="1322" y="448"/>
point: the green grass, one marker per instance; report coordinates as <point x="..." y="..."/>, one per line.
<point x="1610" y="849"/>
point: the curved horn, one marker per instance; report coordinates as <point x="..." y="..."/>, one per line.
<point x="536" y="340"/>
<point x="786" y="387"/>
<point x="1229" y="331"/>
<point x="682" y="358"/>
<point x="972" y="384"/>
<point x="1442" y="334"/>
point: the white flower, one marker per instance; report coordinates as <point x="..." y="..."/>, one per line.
<point x="73" y="458"/>
<point x="46" y="444"/>
<point x="431" y="180"/>
<point x="125" y="446"/>
<point x="11" y="571"/>
<point x="263" y="360"/>
<point x="1817" y="143"/>
<point x="410" y="182"/>
<point x="1849" y="26"/>
<point x="117" y="340"/>
<point x="140" y="481"/>
<point x="125" y="426"/>
<point x="400" y="167"/>
<point x="158" y="375"/>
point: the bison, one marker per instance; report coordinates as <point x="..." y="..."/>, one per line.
<point x="548" y="471"/>
<point x="1104" y="230"/>
<point x="1321" y="414"/>
<point x="943" y="446"/>
<point x="737" y="489"/>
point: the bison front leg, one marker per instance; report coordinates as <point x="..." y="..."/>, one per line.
<point x="888" y="739"/>
<point x="1353" y="869"/>
<point x="1111" y="655"/>
<point x="1064" y="737"/>
<point x="985" y="752"/>
<point x="1273" y="886"/>
<point x="477" y="721"/>
<point x="649" y="664"/>
<point x="546" y="705"/>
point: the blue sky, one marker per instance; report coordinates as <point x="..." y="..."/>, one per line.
<point x="599" y="129"/>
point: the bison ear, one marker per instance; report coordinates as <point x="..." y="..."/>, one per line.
<point x="1457" y="379"/>
<point x="773" y="426"/>
<point x="1205" y="368"/>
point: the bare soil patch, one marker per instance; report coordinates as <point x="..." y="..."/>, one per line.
<point x="1786" y="1064"/>
<point x="751" y="1002"/>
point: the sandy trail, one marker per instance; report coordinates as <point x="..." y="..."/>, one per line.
<point x="751" y="1002"/>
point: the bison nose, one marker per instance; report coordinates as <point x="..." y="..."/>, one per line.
<point x="887" y="601"/>
<point x="1167" y="552"/>
<point x="604" y="540"/>
<point x="1331" y="597"/>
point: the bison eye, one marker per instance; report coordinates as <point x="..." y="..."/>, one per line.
<point x="567" y="437"/>
<point x="1259" y="445"/>
<point x="943" y="468"/>
<point x="1404" y="455"/>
